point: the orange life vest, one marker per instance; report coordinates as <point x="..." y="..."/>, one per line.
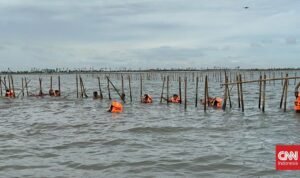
<point x="116" y="107"/>
<point x="297" y="104"/>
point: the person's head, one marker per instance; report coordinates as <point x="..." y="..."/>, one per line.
<point x="51" y="93"/>
<point x="7" y="90"/>
<point x="175" y="96"/>
<point x="95" y="94"/>
<point x="146" y="96"/>
<point x="123" y="96"/>
<point x="57" y="93"/>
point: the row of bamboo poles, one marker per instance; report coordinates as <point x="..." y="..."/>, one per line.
<point x="8" y="83"/>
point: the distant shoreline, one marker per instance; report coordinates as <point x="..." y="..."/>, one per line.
<point x="58" y="71"/>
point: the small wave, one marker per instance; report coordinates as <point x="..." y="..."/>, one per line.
<point x="158" y="129"/>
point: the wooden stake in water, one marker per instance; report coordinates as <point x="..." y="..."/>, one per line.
<point x="167" y="89"/>
<point x="162" y="90"/>
<point x="1" y="94"/>
<point x="108" y="88"/>
<point x="122" y="98"/>
<point x="180" y="96"/>
<point x="185" y="93"/>
<point x="259" y="98"/>
<point x="41" y="91"/>
<point x="13" y="87"/>
<point x="141" y="89"/>
<point x="196" y="100"/>
<point x="242" y="96"/>
<point x="77" y="92"/>
<point x="130" y="94"/>
<point x="264" y="93"/>
<point x="228" y="93"/>
<point x="26" y="86"/>
<point x="122" y="84"/>
<point x="205" y="92"/>
<point x="285" y="95"/>
<point x="100" y="91"/>
<point x="59" y="84"/>
<point x="50" y="82"/>
<point x="238" y="91"/>
<point x="22" y="87"/>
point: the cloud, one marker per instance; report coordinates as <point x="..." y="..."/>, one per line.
<point x="148" y="33"/>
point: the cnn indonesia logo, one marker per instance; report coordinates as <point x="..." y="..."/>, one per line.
<point x="287" y="157"/>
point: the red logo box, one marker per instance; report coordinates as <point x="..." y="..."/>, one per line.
<point x="287" y="157"/>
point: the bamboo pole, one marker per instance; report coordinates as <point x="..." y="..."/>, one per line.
<point x="50" y="82"/>
<point x="252" y="81"/>
<point x="162" y="90"/>
<point x="12" y="85"/>
<point x="26" y="86"/>
<point x="122" y="98"/>
<point x="260" y="86"/>
<point x="130" y="94"/>
<point x="264" y="94"/>
<point x="41" y="90"/>
<point x="108" y="88"/>
<point x="242" y="96"/>
<point x="100" y="91"/>
<point x="9" y="85"/>
<point x="285" y="95"/>
<point x="205" y="93"/>
<point x="22" y="87"/>
<point x="141" y="89"/>
<point x="59" y="84"/>
<point x="1" y="94"/>
<point x="282" y="95"/>
<point x="230" y="105"/>
<point x="122" y="84"/>
<point x="167" y="89"/>
<point x="179" y="82"/>
<point x="238" y="91"/>
<point x="196" y="100"/>
<point x="225" y="93"/>
<point x="77" y="91"/>
<point x="185" y="93"/>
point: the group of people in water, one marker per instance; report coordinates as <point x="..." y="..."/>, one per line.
<point x="117" y="107"/>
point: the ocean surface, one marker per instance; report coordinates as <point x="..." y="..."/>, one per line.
<point x="77" y="137"/>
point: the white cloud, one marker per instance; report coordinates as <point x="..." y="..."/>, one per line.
<point x="148" y="33"/>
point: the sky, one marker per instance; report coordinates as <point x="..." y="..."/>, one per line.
<point x="144" y="34"/>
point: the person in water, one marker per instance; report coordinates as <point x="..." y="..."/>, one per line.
<point x="174" y="99"/>
<point x="115" y="107"/>
<point x="51" y="92"/>
<point x="9" y="93"/>
<point x="147" y="99"/>
<point x="213" y="102"/>
<point x="56" y="93"/>
<point x="96" y="96"/>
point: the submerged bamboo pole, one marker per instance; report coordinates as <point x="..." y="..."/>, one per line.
<point x="122" y="98"/>
<point x="41" y="90"/>
<point x="26" y="86"/>
<point x="285" y="95"/>
<point x="167" y="89"/>
<point x="22" y="87"/>
<point x="260" y="87"/>
<point x="50" y="82"/>
<point x="130" y="93"/>
<point x="238" y="91"/>
<point x="100" y="91"/>
<point x="141" y="89"/>
<point x="179" y="82"/>
<point x="77" y="91"/>
<point x="205" y="92"/>
<point x="241" y="91"/>
<point x="1" y="94"/>
<point x="162" y="90"/>
<point x="108" y="88"/>
<point x="196" y="99"/>
<point x="185" y="93"/>
<point x="59" y="84"/>
<point x="264" y="94"/>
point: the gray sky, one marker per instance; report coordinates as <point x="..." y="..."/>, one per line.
<point x="149" y="33"/>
